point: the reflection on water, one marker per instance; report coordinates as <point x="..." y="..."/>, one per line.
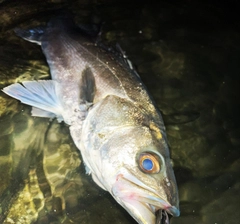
<point x="188" y="59"/>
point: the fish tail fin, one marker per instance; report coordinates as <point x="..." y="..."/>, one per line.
<point x="42" y="95"/>
<point x="33" y="35"/>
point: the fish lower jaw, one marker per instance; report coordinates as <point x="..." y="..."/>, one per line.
<point x="145" y="211"/>
<point x="160" y="215"/>
<point x="140" y="200"/>
<point x="156" y="209"/>
<point x="171" y="210"/>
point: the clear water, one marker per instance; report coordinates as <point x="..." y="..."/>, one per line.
<point x="187" y="54"/>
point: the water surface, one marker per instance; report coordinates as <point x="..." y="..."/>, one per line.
<point x="187" y="54"/>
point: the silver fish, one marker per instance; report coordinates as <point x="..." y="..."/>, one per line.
<point x="112" y="119"/>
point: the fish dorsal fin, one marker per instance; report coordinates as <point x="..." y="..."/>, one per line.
<point x="42" y="95"/>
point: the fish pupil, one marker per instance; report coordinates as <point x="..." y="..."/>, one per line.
<point x="147" y="164"/>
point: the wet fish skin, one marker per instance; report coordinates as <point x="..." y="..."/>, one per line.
<point x="112" y="119"/>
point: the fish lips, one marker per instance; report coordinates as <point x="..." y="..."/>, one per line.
<point x="141" y="201"/>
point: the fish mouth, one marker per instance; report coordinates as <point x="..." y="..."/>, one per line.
<point x="142" y="202"/>
<point x="162" y="217"/>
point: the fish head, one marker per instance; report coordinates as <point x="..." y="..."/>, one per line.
<point x="136" y="170"/>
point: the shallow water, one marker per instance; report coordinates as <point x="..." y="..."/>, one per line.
<point x="187" y="54"/>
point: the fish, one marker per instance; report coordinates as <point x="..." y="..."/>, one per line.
<point x="112" y="118"/>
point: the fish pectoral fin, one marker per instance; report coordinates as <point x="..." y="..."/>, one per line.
<point x="42" y="95"/>
<point x="36" y="112"/>
<point x="87" y="86"/>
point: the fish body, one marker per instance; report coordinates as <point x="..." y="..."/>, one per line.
<point x="112" y="119"/>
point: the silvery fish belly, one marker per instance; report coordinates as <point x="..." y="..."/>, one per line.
<point x="111" y="117"/>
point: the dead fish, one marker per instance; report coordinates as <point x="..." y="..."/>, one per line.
<point x="112" y="119"/>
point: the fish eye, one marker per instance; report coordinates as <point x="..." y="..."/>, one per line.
<point x="149" y="163"/>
